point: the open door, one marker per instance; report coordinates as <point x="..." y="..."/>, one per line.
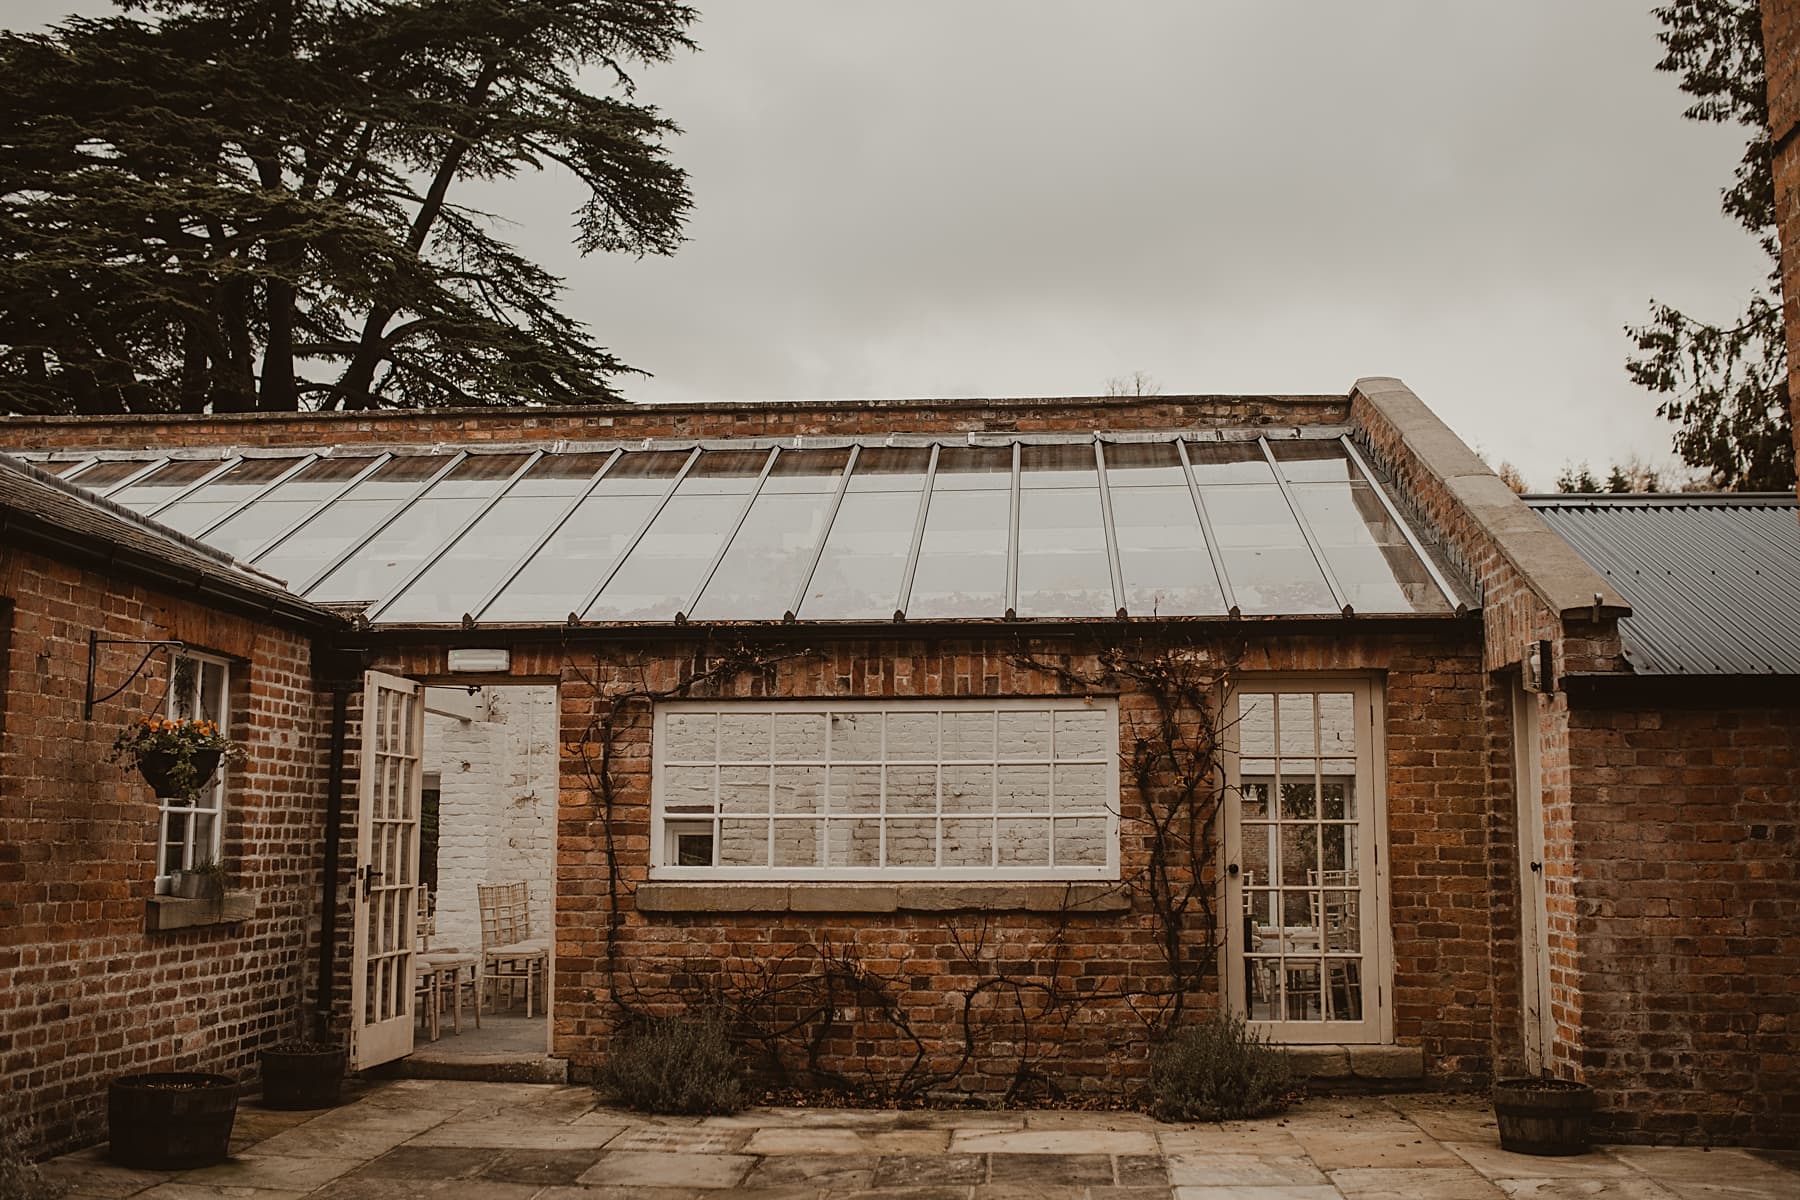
<point x="386" y="882"/>
<point x="1534" y="917"/>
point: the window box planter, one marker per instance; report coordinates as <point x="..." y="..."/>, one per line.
<point x="170" y="1121"/>
<point x="1543" y="1116"/>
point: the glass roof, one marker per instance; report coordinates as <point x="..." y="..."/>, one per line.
<point x="1037" y="528"/>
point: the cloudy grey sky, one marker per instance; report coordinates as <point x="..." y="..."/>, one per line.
<point x="1029" y="197"/>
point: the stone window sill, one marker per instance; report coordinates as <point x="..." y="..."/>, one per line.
<point x="881" y="897"/>
<point x="165" y="913"/>
<point x="1349" y="1063"/>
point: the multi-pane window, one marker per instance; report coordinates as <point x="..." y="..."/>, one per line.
<point x="189" y="831"/>
<point x="887" y="789"/>
<point x="1301" y="829"/>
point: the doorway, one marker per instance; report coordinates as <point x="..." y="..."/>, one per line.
<point x="488" y="820"/>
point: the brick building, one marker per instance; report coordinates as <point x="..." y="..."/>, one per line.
<point x="884" y="724"/>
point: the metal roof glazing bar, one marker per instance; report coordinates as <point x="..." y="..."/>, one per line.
<point x="258" y="494"/>
<point x="449" y="543"/>
<point x="1206" y="530"/>
<point x="1312" y="541"/>
<point x="1406" y="531"/>
<point x="1012" y="540"/>
<point x="543" y="538"/>
<point x="837" y="502"/>
<point x="195" y="486"/>
<point x="918" y="537"/>
<point x="1112" y="536"/>
<point x="387" y="519"/>
<point x="132" y="477"/>
<point x="68" y="476"/>
<point x="379" y="461"/>
<point x="638" y="536"/>
<point x="730" y="536"/>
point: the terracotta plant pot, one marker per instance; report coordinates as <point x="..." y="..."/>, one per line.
<point x="170" y="1121"/>
<point x="1543" y="1116"/>
<point x="157" y="767"/>
<point x="301" y="1075"/>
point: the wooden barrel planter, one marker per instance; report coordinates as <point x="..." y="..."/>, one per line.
<point x="170" y="1121"/>
<point x="1543" y="1116"/>
<point x="302" y="1075"/>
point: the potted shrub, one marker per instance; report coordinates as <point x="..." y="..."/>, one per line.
<point x="1543" y="1116"/>
<point x="204" y="881"/>
<point x="170" y="1120"/>
<point x="303" y="1072"/>
<point x="177" y="756"/>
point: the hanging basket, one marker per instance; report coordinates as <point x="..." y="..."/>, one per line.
<point x="170" y="1121"/>
<point x="1543" y="1116"/>
<point x="158" y="768"/>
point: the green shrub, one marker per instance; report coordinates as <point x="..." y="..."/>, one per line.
<point x="19" y="1179"/>
<point x="683" y="1064"/>
<point x="1219" y="1071"/>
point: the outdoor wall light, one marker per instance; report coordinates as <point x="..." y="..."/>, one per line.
<point x="484" y="661"/>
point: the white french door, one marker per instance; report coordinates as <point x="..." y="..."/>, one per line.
<point x="1534" y="916"/>
<point x="386" y="883"/>
<point x="1305" y="937"/>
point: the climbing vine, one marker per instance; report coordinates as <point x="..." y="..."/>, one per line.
<point x="821" y="1012"/>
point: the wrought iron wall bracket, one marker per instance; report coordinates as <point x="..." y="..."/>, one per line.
<point x="95" y="641"/>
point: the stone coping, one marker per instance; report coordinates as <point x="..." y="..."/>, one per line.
<point x="881" y="897"/>
<point x="165" y="913"/>
<point x="1343" y="1063"/>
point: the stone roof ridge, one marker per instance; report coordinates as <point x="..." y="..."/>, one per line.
<point x="146" y="525"/>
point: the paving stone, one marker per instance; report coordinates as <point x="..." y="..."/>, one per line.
<point x="1668" y="1164"/>
<point x="679" y="1140"/>
<point x="1495" y="1163"/>
<point x="1627" y="1188"/>
<point x="654" y="1168"/>
<point x="430" y="1162"/>
<point x="498" y="1136"/>
<point x="1290" y="1192"/>
<point x="907" y="1193"/>
<point x="1691" y="1189"/>
<point x="1054" y="1141"/>
<point x="1129" y="1193"/>
<point x="838" y="1171"/>
<point x="280" y="1172"/>
<point x="847" y="1141"/>
<point x="1229" y="1139"/>
<point x="542" y="1167"/>
<point x="1034" y="1191"/>
<point x="1141" y="1170"/>
<point x="1414" y="1183"/>
<point x="202" y="1191"/>
<point x="1067" y="1169"/>
<point x="364" y="1187"/>
<point x="1241" y="1170"/>
<point x="88" y="1172"/>
<point x="622" y="1192"/>
<point x="335" y="1140"/>
<point x="1403" y="1147"/>
<point x="906" y="1170"/>
<point x="1090" y="1120"/>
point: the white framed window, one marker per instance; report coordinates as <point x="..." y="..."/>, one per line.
<point x="1308" y="951"/>
<point x="886" y="789"/>
<point x="190" y="833"/>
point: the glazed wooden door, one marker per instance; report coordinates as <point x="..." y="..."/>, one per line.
<point x="387" y="872"/>
<point x="1534" y="917"/>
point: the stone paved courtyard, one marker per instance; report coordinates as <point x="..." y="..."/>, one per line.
<point x="420" y="1138"/>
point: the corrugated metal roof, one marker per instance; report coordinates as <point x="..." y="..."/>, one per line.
<point x="1713" y="580"/>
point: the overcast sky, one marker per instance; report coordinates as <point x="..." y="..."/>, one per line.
<point x="1027" y="198"/>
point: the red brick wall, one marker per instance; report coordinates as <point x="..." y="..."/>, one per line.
<point x="1441" y="739"/>
<point x="86" y="994"/>
<point x="473" y="426"/>
<point x="1687" y="904"/>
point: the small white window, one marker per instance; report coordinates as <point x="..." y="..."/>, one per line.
<point x="190" y="833"/>
<point x="942" y="789"/>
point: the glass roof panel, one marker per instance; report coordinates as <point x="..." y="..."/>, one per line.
<point x="1374" y="564"/>
<point x="224" y="493"/>
<point x="456" y="582"/>
<point x="161" y="483"/>
<point x="1063" y="567"/>
<point x="725" y="473"/>
<point x="665" y="567"/>
<point x="1272" y="570"/>
<point x="561" y="574"/>
<point x="285" y="504"/>
<point x="1162" y="554"/>
<point x="105" y="474"/>
<point x="962" y="561"/>
<point x="62" y="468"/>
<point x="858" y="576"/>
<point x="759" y="573"/>
<point x="973" y="468"/>
<point x="564" y="475"/>
<point x="806" y="471"/>
<point x="1229" y="462"/>
<point x="1313" y="462"/>
<point x="302" y="553"/>
<point x="1143" y="464"/>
